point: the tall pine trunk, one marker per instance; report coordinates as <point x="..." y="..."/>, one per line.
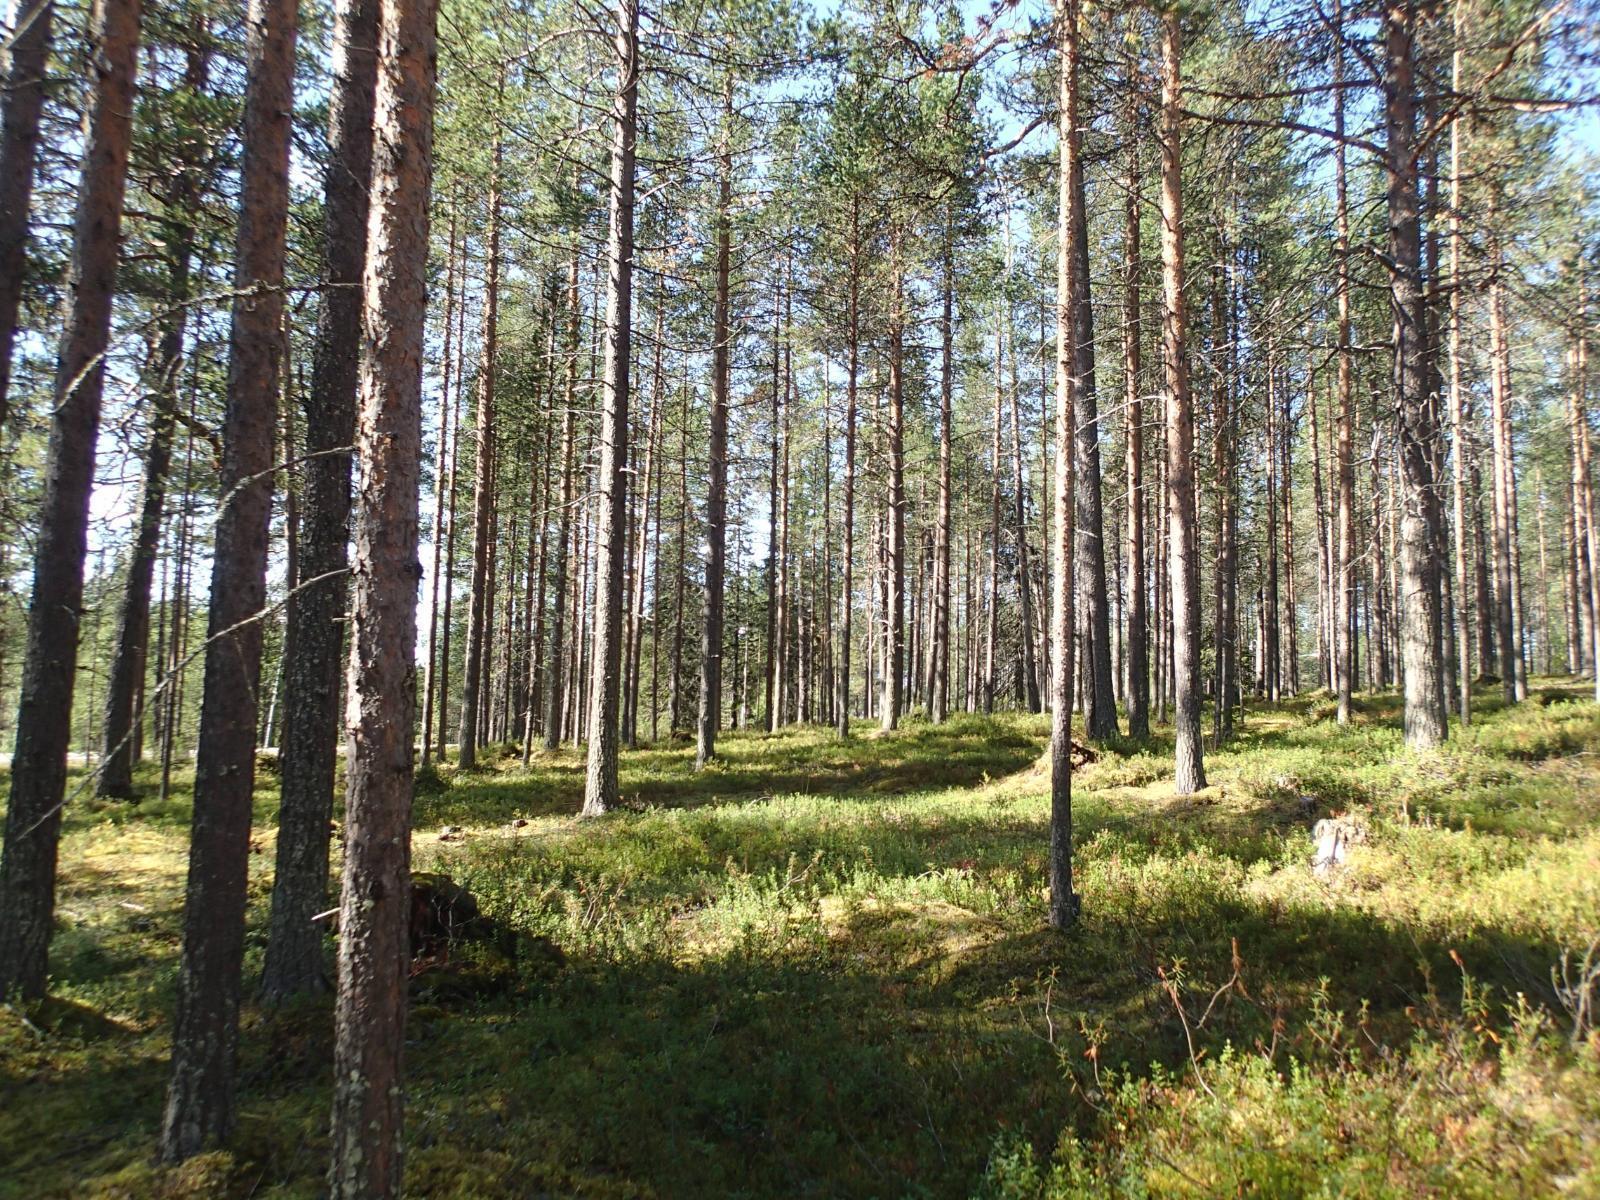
<point x="600" y="786"/>
<point x="313" y="662"/>
<point x="200" y="1099"/>
<point x="44" y="712"/>
<point x="375" y="912"/>
<point x="1182" y="561"/>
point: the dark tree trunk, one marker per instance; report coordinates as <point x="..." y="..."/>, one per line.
<point x="44" y="713"/>
<point x="375" y="913"/>
<point x="314" y="665"/>
<point x="125" y="686"/>
<point x="200" y="1099"/>
<point x="24" y="72"/>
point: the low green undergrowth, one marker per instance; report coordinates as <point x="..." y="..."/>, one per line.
<point x="822" y="969"/>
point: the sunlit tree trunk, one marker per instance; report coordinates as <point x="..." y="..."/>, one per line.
<point x="600" y="787"/>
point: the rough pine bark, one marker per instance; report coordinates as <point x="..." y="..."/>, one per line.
<point x="375" y="911"/>
<point x="200" y="1099"/>
<point x="600" y="785"/>
<point x="313" y="660"/>
<point x="44" y="712"/>
<point x="1424" y="668"/>
<point x="23" y="73"/>
<point x="1182" y="561"/>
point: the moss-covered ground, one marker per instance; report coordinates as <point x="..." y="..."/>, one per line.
<point x="822" y="970"/>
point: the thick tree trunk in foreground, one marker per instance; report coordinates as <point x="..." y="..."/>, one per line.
<point x="600" y="787"/>
<point x="313" y="662"/>
<point x="1419" y="537"/>
<point x="1064" y="904"/>
<point x="44" y="714"/>
<point x="200" y="1099"/>
<point x="26" y="61"/>
<point x="1183" y="565"/>
<point x="374" y="915"/>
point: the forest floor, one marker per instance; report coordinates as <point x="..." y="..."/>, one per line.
<point x="822" y="970"/>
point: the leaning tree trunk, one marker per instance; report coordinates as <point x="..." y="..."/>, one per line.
<point x="44" y="712"/>
<point x="200" y="1099"/>
<point x="717" y="451"/>
<point x="1423" y="665"/>
<point x="600" y="786"/>
<point x="1182" y="562"/>
<point x="375" y="912"/>
<point x="25" y="76"/>
<point x="1064" y="903"/>
<point x="314" y="666"/>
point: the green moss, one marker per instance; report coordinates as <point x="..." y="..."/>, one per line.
<point x="821" y="969"/>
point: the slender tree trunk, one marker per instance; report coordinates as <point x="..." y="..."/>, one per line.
<point x="44" y="713"/>
<point x="314" y="664"/>
<point x="847" y="587"/>
<point x="939" y="659"/>
<point x="1138" y="652"/>
<point x="200" y="1099"/>
<point x="1458" y="427"/>
<point x="441" y="482"/>
<point x="1423" y="674"/>
<point x="1505" y="486"/>
<point x="556" y="708"/>
<point x="600" y="788"/>
<point x="375" y="913"/>
<point x="1064" y="902"/>
<point x="1344" y="583"/>
<point x="1029" y="679"/>
<point x="992" y="594"/>
<point x="1183" y="564"/>
<point x="895" y="509"/>
<point x="717" y="449"/>
<point x="125" y="686"/>
<point x="480" y="606"/>
<point x="1089" y="558"/>
<point x="24" y="71"/>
